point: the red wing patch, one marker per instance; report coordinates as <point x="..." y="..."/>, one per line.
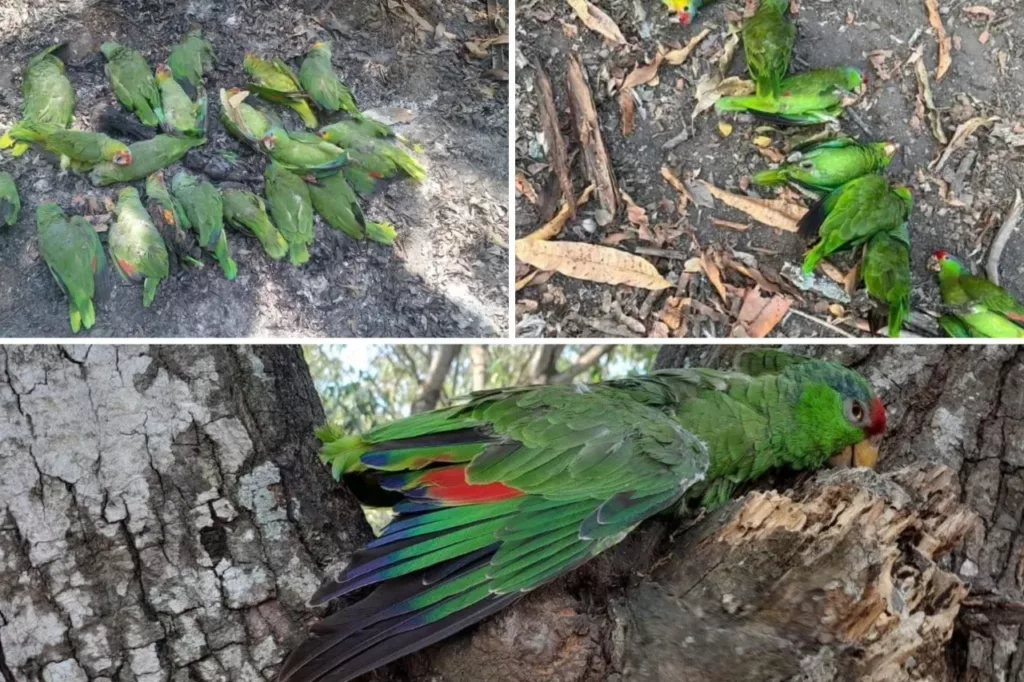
<point x="449" y="485"/>
<point x="126" y="267"/>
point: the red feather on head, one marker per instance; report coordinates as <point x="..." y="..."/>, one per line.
<point x="877" y="415"/>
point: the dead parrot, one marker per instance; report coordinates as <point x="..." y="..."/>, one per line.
<point x="47" y="96"/>
<point x="318" y="78"/>
<point x="768" y="39"/>
<point x="148" y="156"/>
<point x="276" y="82"/>
<point x="827" y="165"/>
<point x="247" y="212"/>
<point x="171" y="222"/>
<point x="886" y="272"/>
<point x="302" y="152"/>
<point x="136" y="247"/>
<point x="247" y="123"/>
<point x="10" y="202"/>
<point x="381" y="158"/>
<point x="337" y="204"/>
<point x="204" y="208"/>
<point x="182" y="116"/>
<point x="291" y="209"/>
<point x="80" y="149"/>
<point x="806" y="98"/>
<point x="74" y="254"/>
<point x="133" y="82"/>
<point x="190" y="60"/>
<point x="984" y="308"/>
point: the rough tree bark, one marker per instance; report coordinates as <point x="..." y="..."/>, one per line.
<point x="163" y="516"/>
<point x="177" y="532"/>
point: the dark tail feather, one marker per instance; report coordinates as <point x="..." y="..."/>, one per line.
<point x="107" y="119"/>
<point x="812" y="220"/>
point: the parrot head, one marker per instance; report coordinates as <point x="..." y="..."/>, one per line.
<point x="127" y="194"/>
<point x="321" y="45"/>
<point x="683" y="9"/>
<point x="118" y="153"/>
<point x="943" y="260"/>
<point x="269" y="141"/>
<point x="49" y="211"/>
<point x="163" y="73"/>
<point x="853" y="78"/>
<point x="110" y="48"/>
<point x="903" y="192"/>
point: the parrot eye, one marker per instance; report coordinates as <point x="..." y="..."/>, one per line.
<point x="856" y="412"/>
<point x="807" y="165"/>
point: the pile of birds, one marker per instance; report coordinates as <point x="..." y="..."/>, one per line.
<point x="856" y="207"/>
<point x="324" y="172"/>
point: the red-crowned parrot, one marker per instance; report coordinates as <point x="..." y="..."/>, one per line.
<point x="204" y="208"/>
<point x="133" y="82"/>
<point x="850" y="215"/>
<point x="171" y="222"/>
<point x="81" y="149"/>
<point x="338" y="205"/>
<point x="318" y="78"/>
<point x="806" y="98"/>
<point x="182" y="116"/>
<point x="518" y="486"/>
<point x="381" y="158"/>
<point x="191" y="59"/>
<point x="768" y="39"/>
<point x="302" y="152"/>
<point x="136" y="247"/>
<point x="984" y="308"/>
<point x="276" y="82"/>
<point x="828" y="165"/>
<point x="47" y="96"/>
<point x="685" y="11"/>
<point x="148" y="156"/>
<point x="10" y="202"/>
<point x="292" y="210"/>
<point x="74" y="254"/>
<point x="247" y="212"/>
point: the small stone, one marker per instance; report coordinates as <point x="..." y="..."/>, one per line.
<point x="968" y="569"/>
<point x="603" y="217"/>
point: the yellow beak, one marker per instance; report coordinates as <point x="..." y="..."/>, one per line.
<point x="863" y="454"/>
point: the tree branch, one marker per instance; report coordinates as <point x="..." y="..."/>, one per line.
<point x="587" y="359"/>
<point x="430" y="390"/>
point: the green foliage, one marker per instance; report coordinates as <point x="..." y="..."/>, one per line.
<point x="363" y="386"/>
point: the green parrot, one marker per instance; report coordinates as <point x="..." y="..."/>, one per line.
<point x="245" y="122"/>
<point x="10" y="202"/>
<point x="318" y="79"/>
<point x="827" y="165"/>
<point x="136" y="247"/>
<point x="276" y="82"/>
<point x="48" y="96"/>
<point x="768" y="39"/>
<point x="204" y="210"/>
<point x="338" y="205"/>
<point x="191" y="59"/>
<point x="985" y="309"/>
<point x="247" y="212"/>
<point x="133" y="83"/>
<point x="380" y="158"/>
<point x="74" y="254"/>
<point x="853" y="213"/>
<point x="957" y="328"/>
<point x="806" y="98"/>
<point x="304" y="153"/>
<point x="171" y="222"/>
<point x="148" y="156"/>
<point x="359" y="179"/>
<point x="886" y="272"/>
<point x="518" y="486"/>
<point x="382" y="233"/>
<point x="291" y="209"/>
<point x="81" y="149"/>
<point x="181" y="115"/>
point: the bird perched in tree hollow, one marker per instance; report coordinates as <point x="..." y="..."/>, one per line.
<point x="519" y="486"/>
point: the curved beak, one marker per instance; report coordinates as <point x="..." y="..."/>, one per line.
<point x="862" y="455"/>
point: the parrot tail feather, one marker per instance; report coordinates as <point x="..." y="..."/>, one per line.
<point x="298" y="253"/>
<point x="88" y="314"/>
<point x="898" y="312"/>
<point x="742" y="103"/>
<point x="812" y="220"/>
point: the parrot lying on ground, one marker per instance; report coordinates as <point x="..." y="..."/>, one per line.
<point x="827" y="165"/>
<point x="10" y="202"/>
<point x="247" y="212"/>
<point x="768" y="39"/>
<point x="148" y="156"/>
<point x="304" y="153"/>
<point x="382" y="233"/>
<point x="47" y="96"/>
<point x="74" y="254"/>
<point x="806" y="98"/>
<point x="81" y="149"/>
<point x="276" y="82"/>
<point x="136" y="246"/>
<point x="984" y="308"/>
<point x="886" y="272"/>
<point x="318" y="79"/>
<point x="190" y="60"/>
<point x="379" y="157"/>
<point x="247" y="123"/>
<point x="204" y="210"/>
<point x="335" y="201"/>
<point x="291" y="209"/>
<point x="850" y="215"/>
<point x="181" y="115"/>
<point x="171" y="222"/>
<point x="133" y="82"/>
<point x="519" y="486"/>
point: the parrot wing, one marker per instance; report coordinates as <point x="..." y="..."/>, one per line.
<point x="993" y="297"/>
<point x="887" y="275"/>
<point x="500" y="496"/>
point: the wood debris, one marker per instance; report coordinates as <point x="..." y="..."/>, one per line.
<point x="596" y="164"/>
<point x="553" y="136"/>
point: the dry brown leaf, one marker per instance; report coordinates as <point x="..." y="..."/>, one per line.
<point x="769" y="318"/>
<point x="925" y="93"/>
<point x="677" y="185"/>
<point x="638" y="76"/>
<point x="774" y="212"/>
<point x="945" y="44"/>
<point x="742" y="227"/>
<point x="680" y="55"/>
<point x="525" y="281"/>
<point x="616" y="239"/>
<point x="591" y="262"/>
<point x="832" y="272"/>
<point x="724" y="128"/>
<point x="753" y="304"/>
<point x="553" y="227"/>
<point x="635" y="214"/>
<point x="596" y="20"/>
<point x="711" y="89"/>
<point x="980" y="10"/>
<point x="415" y="16"/>
<point x="672" y="312"/>
<point x="524" y="187"/>
<point x="714" y="274"/>
<point x="963" y="131"/>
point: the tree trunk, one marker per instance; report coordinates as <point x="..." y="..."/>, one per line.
<point x="430" y="390"/>
<point x="177" y="535"/>
<point x="478" y="356"/>
<point x="163" y="515"/>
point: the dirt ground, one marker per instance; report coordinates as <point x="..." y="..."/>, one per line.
<point x="447" y="275"/>
<point x="959" y="207"/>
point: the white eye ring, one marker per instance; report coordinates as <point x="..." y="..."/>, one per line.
<point x="856" y="412"/>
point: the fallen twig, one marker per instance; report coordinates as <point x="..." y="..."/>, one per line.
<point x="995" y="252"/>
<point x="553" y="136"/>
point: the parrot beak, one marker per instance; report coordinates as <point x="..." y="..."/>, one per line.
<point x="891" y="149"/>
<point x="123" y="159"/>
<point x="862" y="455"/>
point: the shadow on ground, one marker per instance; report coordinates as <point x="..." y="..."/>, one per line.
<point x="447" y="276"/>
